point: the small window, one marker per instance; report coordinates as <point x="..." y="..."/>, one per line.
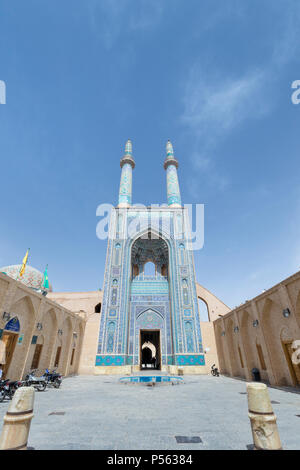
<point x="241" y="359"/>
<point x="164" y="271"/>
<point x="135" y="270"/>
<point x="72" y="357"/>
<point x="98" y="308"/>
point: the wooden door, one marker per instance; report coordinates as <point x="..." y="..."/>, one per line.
<point x="36" y="356"/>
<point x="294" y="368"/>
<point x="58" y="351"/>
<point x="9" y="340"/>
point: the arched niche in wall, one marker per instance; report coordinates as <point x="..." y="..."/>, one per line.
<point x="149" y="269"/>
<point x="203" y="310"/>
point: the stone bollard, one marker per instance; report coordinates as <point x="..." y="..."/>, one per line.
<point x="263" y="420"/>
<point x="17" y="420"/>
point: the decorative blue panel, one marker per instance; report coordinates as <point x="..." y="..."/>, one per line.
<point x="13" y="325"/>
<point x="150" y="286"/>
<point x="190" y="360"/>
<point x="189" y="336"/>
<point x="110" y="336"/>
<point x="110" y="360"/>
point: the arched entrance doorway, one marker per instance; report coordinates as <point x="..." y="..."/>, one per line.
<point x="150" y="341"/>
<point x="150" y="355"/>
<point x="8" y="343"/>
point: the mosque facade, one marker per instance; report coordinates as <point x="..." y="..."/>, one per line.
<point x="149" y="318"/>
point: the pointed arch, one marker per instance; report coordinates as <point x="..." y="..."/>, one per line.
<point x="273" y="324"/>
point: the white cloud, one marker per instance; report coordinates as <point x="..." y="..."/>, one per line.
<point x="109" y="19"/>
<point x="212" y="109"/>
<point x="286" y="48"/>
<point x="215" y="105"/>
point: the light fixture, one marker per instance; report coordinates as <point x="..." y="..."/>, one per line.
<point x="255" y="323"/>
<point x="6" y="316"/>
<point x="286" y="312"/>
<point x="236" y="329"/>
<point x="75" y="334"/>
<point x="39" y="326"/>
<point x="60" y="332"/>
<point x="223" y="333"/>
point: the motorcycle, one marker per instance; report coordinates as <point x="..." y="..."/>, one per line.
<point x="214" y="371"/>
<point x="39" y="383"/>
<point x="13" y="386"/>
<point x="4" y="390"/>
<point x="8" y="388"/>
<point x="53" y="378"/>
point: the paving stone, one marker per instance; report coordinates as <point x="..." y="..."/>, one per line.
<point x="101" y="413"/>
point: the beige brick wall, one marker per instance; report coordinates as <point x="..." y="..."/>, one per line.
<point x="83" y="303"/>
<point x="267" y="345"/>
<point x="31" y="308"/>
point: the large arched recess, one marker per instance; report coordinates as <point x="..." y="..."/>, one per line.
<point x="49" y="322"/>
<point x="233" y="349"/>
<point x="127" y="277"/>
<point x="67" y="337"/>
<point x="279" y="330"/>
<point x="220" y="339"/>
<point x="24" y="310"/>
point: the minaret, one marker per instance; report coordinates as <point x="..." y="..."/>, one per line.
<point x="171" y="165"/>
<point x="127" y="164"/>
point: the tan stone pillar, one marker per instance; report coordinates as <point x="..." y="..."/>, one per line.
<point x="226" y="352"/>
<point x="17" y="420"/>
<point x="242" y="347"/>
<point x="263" y="420"/>
<point x="66" y="360"/>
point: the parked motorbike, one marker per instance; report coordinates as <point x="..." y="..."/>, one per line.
<point x="13" y="386"/>
<point x="8" y="388"/>
<point x="4" y="389"/>
<point x="214" y="371"/>
<point x="39" y="383"/>
<point x="53" y="378"/>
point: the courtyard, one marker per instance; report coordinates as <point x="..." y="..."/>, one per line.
<point x="97" y="412"/>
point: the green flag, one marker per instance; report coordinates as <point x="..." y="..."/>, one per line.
<point x="46" y="280"/>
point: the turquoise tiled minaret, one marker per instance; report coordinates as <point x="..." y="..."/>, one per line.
<point x="171" y="165"/>
<point x="127" y="164"/>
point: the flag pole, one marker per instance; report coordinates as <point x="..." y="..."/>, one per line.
<point x="22" y="270"/>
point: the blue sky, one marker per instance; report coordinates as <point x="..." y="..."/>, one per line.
<point x="213" y="76"/>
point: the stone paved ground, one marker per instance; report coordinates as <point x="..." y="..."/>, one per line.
<point x="100" y="413"/>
